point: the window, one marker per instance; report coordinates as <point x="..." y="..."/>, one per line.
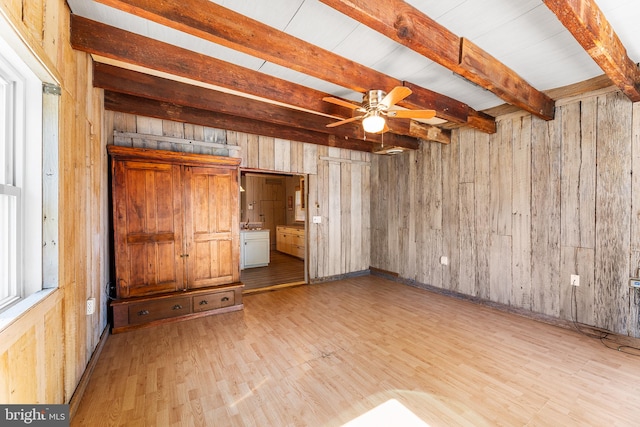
<point x="25" y="108"/>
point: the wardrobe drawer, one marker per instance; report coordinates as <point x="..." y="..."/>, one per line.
<point x="159" y="309"/>
<point x="213" y="301"/>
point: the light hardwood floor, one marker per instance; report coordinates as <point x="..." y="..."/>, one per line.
<point x="282" y="269"/>
<point x="322" y="355"/>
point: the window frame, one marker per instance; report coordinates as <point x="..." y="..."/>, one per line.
<point x="27" y="176"/>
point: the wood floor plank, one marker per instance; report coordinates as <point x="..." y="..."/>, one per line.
<point x="282" y="269"/>
<point x="323" y="355"/>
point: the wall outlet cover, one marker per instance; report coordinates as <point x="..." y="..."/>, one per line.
<point x="575" y="280"/>
<point x="91" y="306"/>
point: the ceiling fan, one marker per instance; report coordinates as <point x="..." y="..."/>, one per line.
<point x="377" y="106"/>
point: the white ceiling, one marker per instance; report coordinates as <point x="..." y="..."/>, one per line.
<point x="523" y="34"/>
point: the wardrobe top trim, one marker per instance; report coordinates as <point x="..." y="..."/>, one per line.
<point x="188" y="159"/>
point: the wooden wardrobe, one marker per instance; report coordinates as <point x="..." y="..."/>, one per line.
<point x="176" y="236"/>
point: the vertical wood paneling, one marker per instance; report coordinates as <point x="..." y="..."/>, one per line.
<point x="295" y="157"/>
<point x="149" y="125"/>
<point x="53" y="19"/>
<point x="613" y="198"/>
<point x="634" y="298"/>
<point x="345" y="215"/>
<point x="541" y="201"/>
<point x="54" y="351"/>
<point x="322" y="209"/>
<point x="402" y="213"/>
<point x="407" y="263"/>
<point x="365" y="218"/>
<point x="521" y="230"/>
<point x="282" y="155"/>
<point x="433" y="186"/>
<point x="577" y="302"/>
<point x="355" y="217"/>
<point x="419" y="213"/>
<point x="500" y="280"/>
<point x="482" y="189"/>
<point x="195" y="132"/>
<point x="467" y="198"/>
<point x="467" y="239"/>
<point x="334" y="218"/>
<point x="310" y="153"/>
<point x="311" y="243"/>
<point x="239" y="139"/>
<point x="501" y="178"/>
<point x="451" y="213"/>
<point x="266" y="150"/>
<point x="32" y="17"/>
<point x="393" y="212"/>
<point x="23" y="377"/>
<point x="378" y="231"/>
<point x="501" y="198"/>
<point x="578" y="127"/>
<point x="635" y="188"/>
<point x="434" y="214"/>
<point x="253" y="151"/>
<point x="545" y="216"/>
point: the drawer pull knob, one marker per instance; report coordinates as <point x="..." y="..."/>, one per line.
<point x="177" y="307"/>
<point x="143" y="312"/>
<point x="204" y="302"/>
<point x="225" y="299"/>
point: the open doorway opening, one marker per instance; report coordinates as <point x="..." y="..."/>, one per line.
<point x="272" y="230"/>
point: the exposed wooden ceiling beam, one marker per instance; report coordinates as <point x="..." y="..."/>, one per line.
<point x="113" y="43"/>
<point x="210" y="21"/>
<point x="405" y="24"/>
<point x="167" y="111"/>
<point x="142" y="85"/>
<point x="589" y="26"/>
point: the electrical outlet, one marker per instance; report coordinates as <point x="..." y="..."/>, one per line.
<point x="575" y="280"/>
<point x="634" y="283"/>
<point x="91" y="306"/>
<point x="444" y="260"/>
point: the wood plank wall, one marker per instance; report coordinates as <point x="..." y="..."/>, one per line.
<point x="518" y="212"/>
<point x="45" y="352"/>
<point x="337" y="184"/>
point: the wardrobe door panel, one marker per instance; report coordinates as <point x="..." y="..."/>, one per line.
<point x="211" y="226"/>
<point x="147" y="228"/>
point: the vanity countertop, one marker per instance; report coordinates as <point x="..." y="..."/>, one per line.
<point x="296" y="226"/>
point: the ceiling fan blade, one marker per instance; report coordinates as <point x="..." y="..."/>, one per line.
<point x="411" y="114"/>
<point x="396" y="95"/>
<point x="341" y="102"/>
<point x="345" y="121"/>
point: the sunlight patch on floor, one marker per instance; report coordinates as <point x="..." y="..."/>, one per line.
<point x="389" y="413"/>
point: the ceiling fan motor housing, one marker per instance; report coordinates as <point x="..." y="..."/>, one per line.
<point x="372" y="99"/>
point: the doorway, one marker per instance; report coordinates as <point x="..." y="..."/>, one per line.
<point x="275" y="203"/>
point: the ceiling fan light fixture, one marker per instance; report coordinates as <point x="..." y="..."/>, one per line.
<point x="373" y="123"/>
